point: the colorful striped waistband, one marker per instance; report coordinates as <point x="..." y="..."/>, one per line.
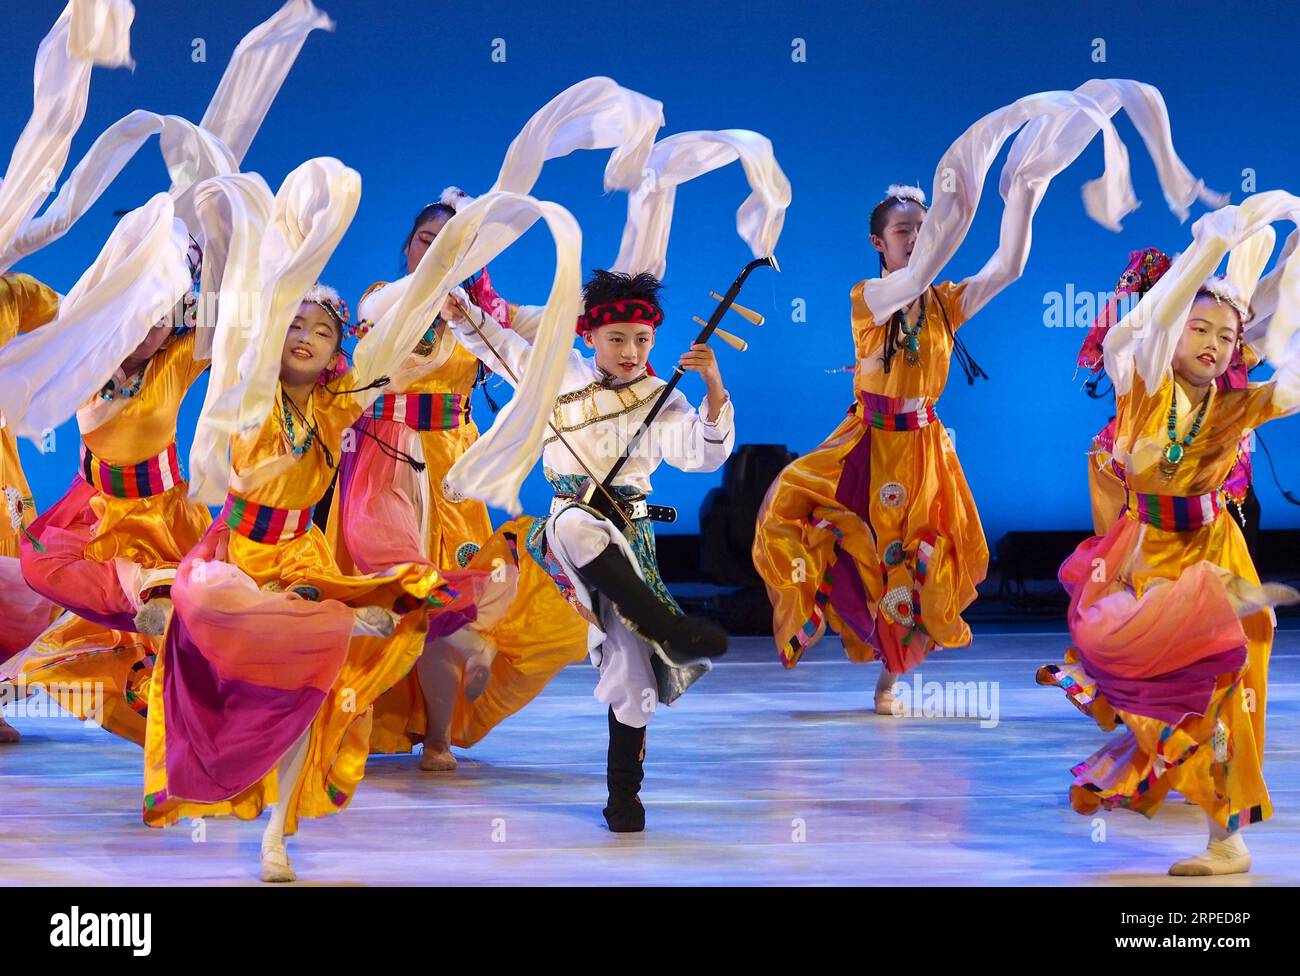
<point x="143" y="480"/>
<point x="1177" y="513"/>
<point x="423" y="411"/>
<point x="262" y="523"/>
<point x="911" y="420"/>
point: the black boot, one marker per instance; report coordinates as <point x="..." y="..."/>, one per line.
<point x="682" y="639"/>
<point x="624" y="812"/>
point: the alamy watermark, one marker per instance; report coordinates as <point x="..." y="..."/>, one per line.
<point x="918" y="698"/>
<point x="80" y="700"/>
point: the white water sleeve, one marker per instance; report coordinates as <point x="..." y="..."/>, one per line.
<point x="1059" y="126"/>
<point x="248" y="86"/>
<point x="87" y="33"/>
<point x="137" y="278"/>
<point x="276" y="252"/>
<point x="597" y="113"/>
<point x="1144" y="340"/>
<point x="683" y="157"/>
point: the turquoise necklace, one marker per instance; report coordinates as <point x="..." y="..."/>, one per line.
<point x="430" y="339"/>
<point x="298" y="449"/>
<point x="911" y="334"/>
<point x="1176" y="450"/>
<point x="109" y="390"/>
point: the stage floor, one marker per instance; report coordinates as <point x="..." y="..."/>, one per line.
<point x="758" y="776"/>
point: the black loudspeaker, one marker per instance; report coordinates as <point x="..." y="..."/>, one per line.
<point x="728" y="514"/>
<point x="1023" y="556"/>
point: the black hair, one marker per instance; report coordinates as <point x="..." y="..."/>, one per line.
<point x="612" y="286"/>
<point x="427" y="213"/>
<point x="880" y="214"/>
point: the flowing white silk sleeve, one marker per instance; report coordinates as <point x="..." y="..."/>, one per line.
<point x="1264" y="300"/>
<point x="597" y="113"/>
<point x="1286" y="378"/>
<point x="192" y="153"/>
<point x="87" y="33"/>
<point x="189" y="152"/>
<point x="1144" y="340"/>
<point x="277" y="250"/>
<point x="497" y="464"/>
<point x="683" y="157"/>
<point x="1058" y="127"/>
<point x="134" y="282"/>
<point x="256" y="73"/>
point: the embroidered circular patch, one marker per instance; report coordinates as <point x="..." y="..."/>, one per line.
<point x="892" y="494"/>
<point x="895" y="553"/>
<point x="450" y="494"/>
<point x="897" y="605"/>
<point x="465" y="552"/>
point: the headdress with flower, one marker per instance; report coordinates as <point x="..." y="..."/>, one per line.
<point x="1145" y="268"/>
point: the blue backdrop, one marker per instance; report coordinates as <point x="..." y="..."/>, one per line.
<point x="408" y="94"/>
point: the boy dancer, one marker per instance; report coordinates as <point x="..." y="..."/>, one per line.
<point x="646" y="649"/>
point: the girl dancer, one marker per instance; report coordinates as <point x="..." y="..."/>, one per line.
<point x="1172" y="629"/>
<point x="275" y="656"/>
<point x="389" y="508"/>
<point x="108" y="550"/>
<point x="1105" y="474"/>
<point x="875" y="532"/>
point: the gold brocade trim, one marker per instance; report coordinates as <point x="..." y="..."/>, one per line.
<point x="627" y="397"/>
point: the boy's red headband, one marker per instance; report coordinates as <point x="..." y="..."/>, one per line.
<point x="625" y="310"/>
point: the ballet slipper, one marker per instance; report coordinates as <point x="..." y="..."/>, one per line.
<point x="374" y="622"/>
<point x="885" y="693"/>
<point x="1226" y="856"/>
<point x="437" y="759"/>
<point x="153" y="617"/>
<point x="276" y="868"/>
<point x="8" y="734"/>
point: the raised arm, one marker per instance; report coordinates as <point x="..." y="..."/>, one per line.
<point x="504" y="351"/>
<point x="1145" y="339"/>
<point x="1058" y="126"/>
<point x="688" y="440"/>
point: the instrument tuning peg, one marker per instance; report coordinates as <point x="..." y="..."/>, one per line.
<point x="748" y="314"/>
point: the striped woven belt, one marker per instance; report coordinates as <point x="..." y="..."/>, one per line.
<point x="143" y="480"/>
<point x="911" y="420"/>
<point x="262" y="523"/>
<point x="423" y="411"/>
<point x="1175" y="512"/>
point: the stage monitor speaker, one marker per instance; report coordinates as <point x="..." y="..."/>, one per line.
<point x="728" y="514"/>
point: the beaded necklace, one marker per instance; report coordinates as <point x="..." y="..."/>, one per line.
<point x="286" y="413"/>
<point x="1176" y="450"/>
<point x="912" y="334"/>
<point x="109" y="390"/>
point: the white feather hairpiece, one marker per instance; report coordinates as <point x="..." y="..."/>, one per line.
<point x="1224" y="291"/>
<point x="455" y="198"/>
<point x="905" y="191"/>
<point x="321" y="294"/>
